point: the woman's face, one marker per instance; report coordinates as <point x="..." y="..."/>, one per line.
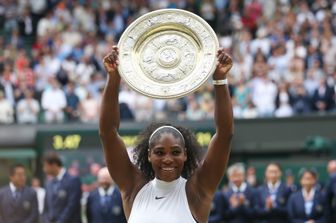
<point x="167" y="157"/>
<point x="307" y="180"/>
<point x="273" y="173"/>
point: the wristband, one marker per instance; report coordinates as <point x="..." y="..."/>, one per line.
<point x="220" y="82"/>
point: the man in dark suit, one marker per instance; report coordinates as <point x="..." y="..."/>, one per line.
<point x="18" y="203"/>
<point x="323" y="97"/>
<point x="218" y="206"/>
<point x="240" y="196"/>
<point x="331" y="191"/>
<point x="104" y="203"/>
<point x="63" y="193"/>
<point x="273" y="196"/>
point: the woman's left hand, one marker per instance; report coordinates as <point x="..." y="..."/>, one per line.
<point x="223" y="66"/>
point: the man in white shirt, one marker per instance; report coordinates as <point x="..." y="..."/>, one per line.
<point x="6" y="110"/>
<point x="53" y="102"/>
<point x="240" y="196"/>
<point x="27" y="109"/>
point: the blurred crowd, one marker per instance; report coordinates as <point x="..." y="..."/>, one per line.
<point x="280" y="197"/>
<point x="51" y="58"/>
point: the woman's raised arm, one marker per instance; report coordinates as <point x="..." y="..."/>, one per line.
<point x="212" y="170"/>
<point x="120" y="167"/>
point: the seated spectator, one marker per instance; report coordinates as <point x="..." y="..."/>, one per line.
<point x="323" y="98"/>
<point x="24" y="73"/>
<point x="263" y="95"/>
<point x="301" y="101"/>
<point x="84" y="69"/>
<point x="250" y="111"/>
<point x="143" y="108"/>
<point x="127" y="96"/>
<point x="126" y="113"/>
<point x="194" y="111"/>
<point x="6" y="110"/>
<point x="72" y="108"/>
<point x="7" y="82"/>
<point x="19" y="91"/>
<point x="207" y="105"/>
<point x="237" y="110"/>
<point x="242" y="93"/>
<point x="279" y="62"/>
<point x="89" y="109"/>
<point x="284" y="110"/>
<point x="311" y="83"/>
<point x="53" y="102"/>
<point x="296" y="69"/>
<point x="27" y="109"/>
<point x="176" y="108"/>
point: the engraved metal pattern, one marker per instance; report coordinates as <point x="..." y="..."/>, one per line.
<point x="167" y="53"/>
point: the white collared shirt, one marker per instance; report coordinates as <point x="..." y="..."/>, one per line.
<point x="273" y="189"/>
<point x="12" y="188"/>
<point x="60" y="175"/>
<point x="241" y="189"/>
<point x="308" y="198"/>
<point x="102" y="192"/>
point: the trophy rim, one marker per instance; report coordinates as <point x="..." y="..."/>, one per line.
<point x="153" y="14"/>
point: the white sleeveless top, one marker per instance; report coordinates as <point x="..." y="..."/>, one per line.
<point x="162" y="202"/>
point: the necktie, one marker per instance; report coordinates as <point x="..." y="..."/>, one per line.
<point x="55" y="185"/>
<point x="273" y="193"/>
<point x="17" y="194"/>
<point x="105" y="203"/>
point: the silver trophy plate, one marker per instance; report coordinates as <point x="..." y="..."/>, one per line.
<point x="167" y="53"/>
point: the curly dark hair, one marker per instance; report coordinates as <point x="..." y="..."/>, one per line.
<point x="140" y="152"/>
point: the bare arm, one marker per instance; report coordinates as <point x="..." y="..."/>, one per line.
<point x="210" y="173"/>
<point x="120" y="167"/>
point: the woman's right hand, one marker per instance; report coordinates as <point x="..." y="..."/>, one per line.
<point x="111" y="60"/>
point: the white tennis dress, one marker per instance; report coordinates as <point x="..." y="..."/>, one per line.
<point x="162" y="202"/>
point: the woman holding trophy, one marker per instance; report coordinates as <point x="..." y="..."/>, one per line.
<point x="168" y="182"/>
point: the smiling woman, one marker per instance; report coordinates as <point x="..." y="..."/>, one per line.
<point x="168" y="182"/>
<point x="150" y="147"/>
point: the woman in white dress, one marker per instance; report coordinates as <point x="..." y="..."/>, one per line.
<point x="168" y="182"/>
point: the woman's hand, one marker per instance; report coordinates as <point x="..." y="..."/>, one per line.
<point x="223" y="66"/>
<point x="111" y="60"/>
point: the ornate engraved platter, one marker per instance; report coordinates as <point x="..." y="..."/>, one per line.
<point x="167" y="53"/>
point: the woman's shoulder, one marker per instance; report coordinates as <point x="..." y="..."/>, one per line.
<point x="129" y="195"/>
